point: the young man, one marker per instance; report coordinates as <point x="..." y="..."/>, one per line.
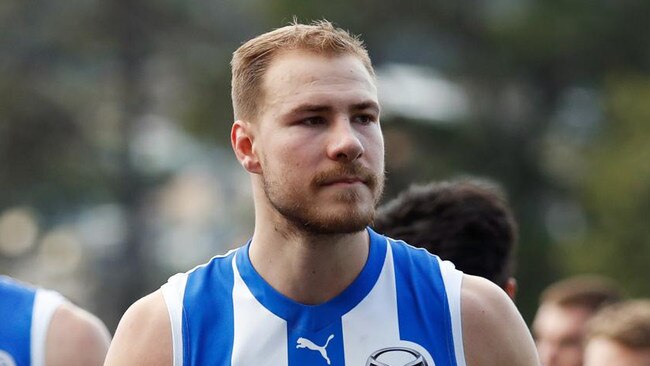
<point x="467" y="222"/>
<point x="619" y="335"/>
<point x="565" y="308"/>
<point x="314" y="286"/>
<point x="40" y="328"/>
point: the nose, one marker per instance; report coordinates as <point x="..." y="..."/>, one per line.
<point x="344" y="144"/>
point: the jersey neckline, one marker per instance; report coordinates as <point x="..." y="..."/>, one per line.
<point x="314" y="317"/>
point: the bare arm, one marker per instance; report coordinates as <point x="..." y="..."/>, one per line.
<point x="494" y="333"/>
<point x="75" y="337"/>
<point x="143" y="336"/>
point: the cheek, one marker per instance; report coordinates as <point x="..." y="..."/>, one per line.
<point x="286" y="158"/>
<point x="374" y="146"/>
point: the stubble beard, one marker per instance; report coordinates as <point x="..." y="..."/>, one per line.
<point x="303" y="216"/>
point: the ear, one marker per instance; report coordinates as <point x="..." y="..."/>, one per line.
<point x="511" y="288"/>
<point x="242" y="139"/>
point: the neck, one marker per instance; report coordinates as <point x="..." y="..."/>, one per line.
<point x="308" y="268"/>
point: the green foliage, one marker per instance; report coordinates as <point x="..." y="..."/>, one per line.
<point x="77" y="78"/>
<point x="616" y="190"/>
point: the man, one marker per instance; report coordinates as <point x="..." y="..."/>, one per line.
<point x="40" y="328"/>
<point x="619" y="335"/>
<point x="467" y="222"/>
<point x="565" y="307"/>
<point x="314" y="286"/>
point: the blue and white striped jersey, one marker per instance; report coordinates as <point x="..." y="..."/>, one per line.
<point x="25" y="314"/>
<point x="402" y="309"/>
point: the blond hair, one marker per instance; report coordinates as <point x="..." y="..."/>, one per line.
<point x="627" y="323"/>
<point x="251" y="60"/>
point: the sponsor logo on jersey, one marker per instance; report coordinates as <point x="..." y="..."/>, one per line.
<point x="397" y="356"/>
<point x="6" y="359"/>
<point x="306" y="343"/>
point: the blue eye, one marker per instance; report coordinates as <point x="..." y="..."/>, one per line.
<point x="364" y="119"/>
<point x="313" y="121"/>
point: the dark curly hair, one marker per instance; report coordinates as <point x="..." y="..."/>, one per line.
<point x="467" y="222"/>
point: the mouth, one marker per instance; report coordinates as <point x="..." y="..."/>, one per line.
<point x="346" y="177"/>
<point x="343" y="181"/>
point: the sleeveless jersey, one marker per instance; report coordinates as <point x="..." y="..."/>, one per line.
<point x="402" y="309"/>
<point x="25" y="314"/>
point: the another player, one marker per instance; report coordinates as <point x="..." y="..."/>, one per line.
<point x="467" y="222"/>
<point x="619" y="335"/>
<point x="41" y="328"/>
<point x="565" y="308"/>
<point x="314" y="286"/>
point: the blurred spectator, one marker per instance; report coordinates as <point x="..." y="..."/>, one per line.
<point x="565" y="307"/>
<point x="467" y="222"/>
<point x="619" y="335"/>
<point x="39" y="327"/>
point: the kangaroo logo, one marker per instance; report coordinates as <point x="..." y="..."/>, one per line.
<point x="306" y="343"/>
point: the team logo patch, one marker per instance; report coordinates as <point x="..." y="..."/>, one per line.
<point x="6" y="359"/>
<point x="397" y="356"/>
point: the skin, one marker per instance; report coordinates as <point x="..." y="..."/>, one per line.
<point x="291" y="144"/>
<point x="601" y="351"/>
<point x="559" y="333"/>
<point x="494" y="333"/>
<point x="75" y="337"/>
<point x="317" y="140"/>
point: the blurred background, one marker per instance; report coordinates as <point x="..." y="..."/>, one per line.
<point x="116" y="169"/>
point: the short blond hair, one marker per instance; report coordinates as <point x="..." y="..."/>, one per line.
<point x="251" y="60"/>
<point x="626" y="323"/>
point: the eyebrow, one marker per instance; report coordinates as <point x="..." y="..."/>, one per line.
<point x="366" y="105"/>
<point x="315" y="108"/>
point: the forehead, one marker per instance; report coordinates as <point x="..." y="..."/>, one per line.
<point x="296" y="77"/>
<point x="604" y="352"/>
<point x="560" y="320"/>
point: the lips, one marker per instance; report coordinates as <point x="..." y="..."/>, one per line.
<point x="346" y="174"/>
<point x="343" y="180"/>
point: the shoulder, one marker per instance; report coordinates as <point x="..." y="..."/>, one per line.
<point x="72" y="329"/>
<point x="494" y="332"/>
<point x="143" y="336"/>
<point x="403" y="249"/>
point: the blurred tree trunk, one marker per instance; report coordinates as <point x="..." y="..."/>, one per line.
<point x="126" y="273"/>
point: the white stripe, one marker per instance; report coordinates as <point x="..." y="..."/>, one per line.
<point x="453" y="280"/>
<point x="260" y="337"/>
<point x="373" y="324"/>
<point x="174" y="292"/>
<point x="45" y="304"/>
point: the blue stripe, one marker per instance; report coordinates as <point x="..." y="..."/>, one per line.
<point x="208" y="318"/>
<point x="315" y="317"/>
<point x="16" y="307"/>
<point x="423" y="310"/>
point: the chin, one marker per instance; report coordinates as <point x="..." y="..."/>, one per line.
<point x="345" y="221"/>
<point x="333" y="228"/>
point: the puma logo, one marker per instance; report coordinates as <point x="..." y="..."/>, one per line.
<point x="306" y="343"/>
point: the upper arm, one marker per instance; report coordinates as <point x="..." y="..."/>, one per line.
<point x="75" y="337"/>
<point x="143" y="336"/>
<point x="494" y="332"/>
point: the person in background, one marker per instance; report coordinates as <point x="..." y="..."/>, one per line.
<point x="565" y="308"/>
<point x="619" y="335"/>
<point x="467" y="222"/>
<point x="315" y="285"/>
<point x="40" y="327"/>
